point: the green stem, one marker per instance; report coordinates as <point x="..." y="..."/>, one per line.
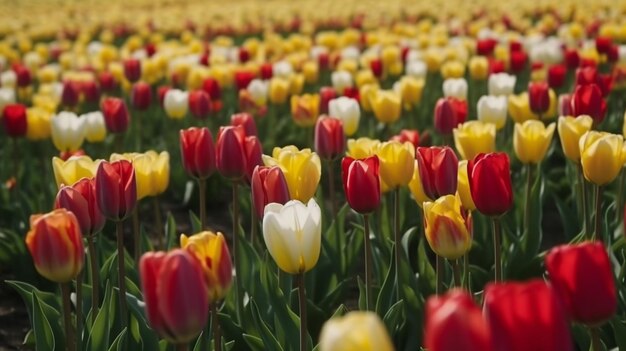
<point x="368" y="263"/>
<point x="620" y="193"/>
<point x="302" y="300"/>
<point x="136" y="237"/>
<point x="159" y="222"/>
<point x="235" y="244"/>
<point x="121" y="273"/>
<point x="440" y="271"/>
<point x="70" y="341"/>
<point x="119" y="142"/>
<point x="215" y="325"/>
<point x="597" y="233"/>
<point x="466" y="272"/>
<point x="583" y="191"/>
<point x="331" y="188"/>
<point x="95" y="279"/>
<point x="253" y="227"/>
<point x="202" y="190"/>
<point x="497" y="247"/>
<point x="398" y="241"/>
<point x="457" y="272"/>
<point x="596" y="344"/>
<point x="79" y="309"/>
<point x="529" y="175"/>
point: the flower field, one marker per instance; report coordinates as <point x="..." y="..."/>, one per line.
<point x="312" y="175"/>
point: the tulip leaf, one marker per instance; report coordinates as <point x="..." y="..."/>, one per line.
<point x="44" y="337"/>
<point x="196" y="225"/>
<point x="269" y="340"/>
<point x="99" y="333"/>
<point x="118" y="343"/>
<point x="619" y="330"/>
<point x="386" y="294"/>
<point x="255" y="343"/>
<point x="427" y="276"/>
<point x="147" y="337"/>
<point x="362" y="295"/>
<point x="170" y="231"/>
<point x="394" y="318"/>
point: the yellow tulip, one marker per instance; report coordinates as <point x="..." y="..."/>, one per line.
<point x="362" y="147"/>
<point x="463" y="187"/>
<point x="76" y="167"/>
<point x="390" y="55"/>
<point x="364" y="77"/>
<point x="445" y="227"/>
<point x="479" y="68"/>
<point x="570" y="131"/>
<point x="531" y="140"/>
<point x="386" y="105"/>
<point x="397" y="163"/>
<point x="152" y="171"/>
<point x="310" y="70"/>
<point x="474" y="137"/>
<point x="452" y="69"/>
<point x="212" y="253"/>
<point x="416" y="188"/>
<point x="302" y="170"/>
<point x="296" y="84"/>
<point x="601" y="156"/>
<point x="278" y="90"/>
<point x="434" y="58"/>
<point x="519" y="108"/>
<point x="305" y="109"/>
<point x="410" y="90"/>
<point x="38" y="123"/>
<point x="367" y="93"/>
<point x="357" y="330"/>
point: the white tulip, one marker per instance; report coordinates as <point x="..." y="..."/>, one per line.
<point x="456" y="88"/>
<point x="348" y="111"/>
<point x="341" y="80"/>
<point x="32" y="60"/>
<point x="492" y="109"/>
<point x="68" y="131"/>
<point x="350" y="53"/>
<point x="282" y="69"/>
<point x="8" y="79"/>
<point x="417" y="69"/>
<point x="258" y="90"/>
<point x="176" y="103"/>
<point x="501" y="84"/>
<point x="7" y="96"/>
<point x="318" y="51"/>
<point x="95" y="127"/>
<point x="621" y="53"/>
<point x="293" y="234"/>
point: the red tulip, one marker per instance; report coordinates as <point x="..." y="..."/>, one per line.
<point x="243" y="79"/>
<point x="526" y="316"/>
<point x="445" y="116"/>
<point x="70" y="94"/>
<point x="231" y="152"/>
<point x="326" y="94"/>
<point x="268" y="185"/>
<point x="65" y="155"/>
<point x="212" y="87"/>
<point x="107" y="81"/>
<point x="351" y="92"/>
<point x="517" y="61"/>
<point x="613" y="54"/>
<point x="80" y="198"/>
<point x="90" y="91"/>
<point x="603" y="44"/>
<point x="496" y="66"/>
<point x="161" y="92"/>
<point x="376" y="65"/>
<point x="244" y="55"/>
<point x="587" y="100"/>
<point x="323" y="61"/>
<point x="199" y="104"/>
<point x="23" y="75"/>
<point x="582" y="277"/>
<point x="587" y="75"/>
<point x="439" y="168"/>
<point x="490" y="183"/>
<point x="330" y="141"/>
<point x="361" y="183"/>
<point x="141" y="96"/>
<point x="116" y="115"/>
<point x="485" y="47"/>
<point x="14" y="120"/>
<point x="515" y="46"/>
<point x="197" y="152"/>
<point x="175" y="293"/>
<point x="267" y="71"/>
<point x="460" y="106"/>
<point x="605" y="82"/>
<point x="565" y="105"/>
<point x="556" y="76"/>
<point x="412" y="136"/>
<point x="572" y="59"/>
<point x="116" y="189"/>
<point x="254" y="155"/>
<point x="132" y="70"/>
<point x="454" y="322"/>
<point x="150" y="49"/>
<point x="246" y="121"/>
<point x="539" y="97"/>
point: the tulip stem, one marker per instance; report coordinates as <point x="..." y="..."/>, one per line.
<point x="439" y="271"/>
<point x="368" y="262"/>
<point x="456" y="268"/>
<point x="597" y="233"/>
<point x="235" y="244"/>
<point x="182" y="347"/>
<point x="596" y="344"/>
<point x="497" y="233"/>
<point x="583" y="192"/>
<point x="121" y="274"/>
<point x="95" y="279"/>
<point x="136" y="238"/>
<point x="159" y="222"/>
<point x="119" y="142"/>
<point x="302" y="300"/>
<point x="620" y="193"/>
<point x="529" y="176"/>
<point x="79" y="309"/>
<point x="398" y="243"/>
<point x="253" y="227"/>
<point x="215" y="324"/>
<point x="331" y="189"/>
<point x="70" y="341"/>
<point x="202" y="190"/>
<point x="466" y="272"/>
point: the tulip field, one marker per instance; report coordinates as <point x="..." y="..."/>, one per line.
<point x="313" y="175"/>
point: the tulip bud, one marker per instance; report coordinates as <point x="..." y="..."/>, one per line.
<point x="330" y="141"/>
<point x="600" y="156"/>
<point x="152" y="171"/>
<point x="95" y="127"/>
<point x="70" y="94"/>
<point x="37" y="123"/>
<point x="531" y="140"/>
<point x="539" y="97"/>
<point x="293" y="235"/>
<point x="116" y="114"/>
<point x="55" y="242"/>
<point x="14" y="120"/>
<point x="587" y="100"/>
<point x="302" y="170"/>
<point x="485" y="47"/>
<point x="212" y="87"/>
<point x="438" y="170"/>
<point x="268" y="184"/>
<point x="230" y="152"/>
<point x="473" y="138"/>
<point x="492" y="109"/>
<point x="141" y="96"/>
<point x="357" y="330"/>
<point x="446" y="231"/>
<point x="197" y="152"/>
<point x="212" y="252"/>
<point x="246" y="121"/>
<point x="565" y="105"/>
<point x="199" y="104"/>
<point x="582" y="277"/>
<point x="572" y="58"/>
<point x="361" y="183"/>
<point x="341" y="80"/>
<point x="178" y="313"/>
<point x="363" y="147"/>
<point x="517" y="61"/>
<point x="396" y="163"/>
<point x="348" y="111"/>
<point x="132" y="70"/>
<point x="116" y="189"/>
<point x="556" y="76"/>
<point x="176" y="103"/>
<point x="68" y="131"/>
<point x="80" y="199"/>
<point x="455" y="313"/>
<point x="161" y="92"/>
<point x="490" y="183"/>
<point x="445" y="116"/>
<point x="479" y="67"/>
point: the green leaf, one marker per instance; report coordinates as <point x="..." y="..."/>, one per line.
<point x="118" y="343"/>
<point x="255" y="343"/>
<point x="100" y="331"/>
<point x="619" y="330"/>
<point x="362" y="294"/>
<point x="148" y="337"/>
<point x="427" y="275"/>
<point x="170" y="232"/>
<point x="269" y="340"/>
<point x="196" y="225"/>
<point x="386" y="294"/>
<point x="44" y="337"/>
<point x="393" y="319"/>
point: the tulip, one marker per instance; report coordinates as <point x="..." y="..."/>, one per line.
<point x="517" y="313"/>
<point x="582" y="277"/>
<point x="463" y="187"/>
<point x="259" y="91"/>
<point x="531" y="141"/>
<point x="37" y="123"/>
<point x="396" y="163"/>
<point x="565" y="105"/>
<point x="176" y="312"/>
<point x="486" y="46"/>
<point x="23" y="76"/>
<point x="116" y="116"/>
<point x="246" y="121"/>
<point x="587" y="100"/>
<point x="14" y="120"/>
<point x="341" y="80"/>
<point x="570" y="132"/>
<point x="490" y="183"/>
<point x="519" y="108"/>
<point x="176" y="103"/>
<point x="455" y="88"/>
<point x="539" y="97"/>
<point x="417" y="69"/>
<point x="330" y="141"/>
<point x="141" y="96"/>
<point x="268" y="185"/>
<point x="152" y="171"/>
<point x="357" y="330"/>
<point x="445" y="116"/>
<point x="292" y="234"/>
<point x="479" y="67"/>
<point x="266" y="71"/>
<point x="412" y="136"/>
<point x="243" y="79"/>
<point x="473" y="138"/>
<point x="107" y="81"/>
<point x="80" y="199"/>
<point x="326" y="95"/>
<point x="90" y="91"/>
<point x="68" y="131"/>
<point x="415" y="186"/>
<point x="600" y="155"/>
<point x="8" y="79"/>
<point x="73" y="169"/>
<point x="7" y="96"/>
<point x="95" y="127"/>
<point x="132" y="70"/>
<point x="363" y="147"/>
<point x="361" y="183"/>
<point x="198" y="152"/>
<point x="116" y="189"/>
<point x="213" y="88"/>
<point x="302" y="170"/>
<point x="438" y="170"/>
<point x="278" y="90"/>
<point x="556" y="76"/>
<point x="236" y="153"/>
<point x="409" y="90"/>
<point x="348" y="111"/>
<point x="386" y="106"/>
<point x="304" y="109"/>
<point x="501" y="84"/>
<point x="282" y="69"/>
<point x="55" y="242"/>
<point x="492" y="109"/>
<point x="212" y="252"/>
<point x="445" y="227"/>
<point x="517" y="61"/>
<point x="199" y="104"/>
<point x="455" y="313"/>
<point x="70" y="94"/>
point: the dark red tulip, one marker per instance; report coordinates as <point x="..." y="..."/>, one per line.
<point x="14" y="120"/>
<point x="460" y="106"/>
<point x="613" y="54"/>
<point x="116" y="116"/>
<point x="231" y="152"/>
<point x="515" y="46"/>
<point x="23" y="75"/>
<point x="90" y="91"/>
<point x="246" y="121"/>
<point x="116" y="189"/>
<point x="556" y="76"/>
<point x="490" y="183"/>
<point x="141" y="96"/>
<point x="351" y="92"/>
<point x="496" y="66"/>
<point x="268" y="185"/>
<point x="445" y="116"/>
<point x="517" y="61"/>
<point x="323" y="61"/>
<point x="587" y="100"/>
<point x="565" y="105"/>
<point x="588" y="62"/>
<point x="572" y="59"/>
<point x="107" y="81"/>
<point x="439" y="168"/>
<point x="376" y="65"/>
<point x="582" y="277"/>
<point x="80" y="198"/>
<point x="454" y="322"/>
<point x="70" y="94"/>
<point x="243" y="79"/>
<point x="330" y="140"/>
<point x="361" y="183"/>
<point x="199" y="104"/>
<point x="197" y="152"/>
<point x="526" y="316"/>
<point x="539" y="97"/>
<point x="244" y="55"/>
<point x="132" y="70"/>
<point x="212" y="87"/>
<point x="254" y="155"/>
<point x="161" y="92"/>
<point x="605" y="82"/>
<point x="326" y="94"/>
<point x="603" y="44"/>
<point x="267" y="71"/>
<point x="150" y="49"/>
<point x="410" y="135"/>
<point x="485" y="47"/>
